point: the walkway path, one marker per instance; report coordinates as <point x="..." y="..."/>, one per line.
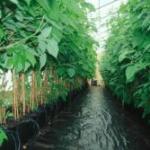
<point x="95" y="121"/>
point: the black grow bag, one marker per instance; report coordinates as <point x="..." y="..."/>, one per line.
<point x="42" y="116"/>
<point x="27" y="130"/>
<point x="13" y="142"/>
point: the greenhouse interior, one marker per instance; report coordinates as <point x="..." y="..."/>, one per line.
<point x="74" y="74"/>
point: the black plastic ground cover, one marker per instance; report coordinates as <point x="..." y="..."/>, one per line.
<point x="28" y="128"/>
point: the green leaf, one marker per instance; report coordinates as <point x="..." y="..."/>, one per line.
<point x="27" y="66"/>
<point x="57" y="34"/>
<point x="132" y="70"/>
<point x="3" y="137"/>
<point x="42" y="47"/>
<point x="8" y="63"/>
<point x="71" y="72"/>
<point x="124" y="54"/>
<point x="15" y="2"/>
<point x="0" y="14"/>
<point x="18" y="62"/>
<point x="88" y="6"/>
<point x="1" y="33"/>
<point x="52" y="48"/>
<point x="30" y="57"/>
<point x="59" y="26"/>
<point x="46" y="32"/>
<point x="28" y="2"/>
<point x="43" y="59"/>
<point x="44" y="4"/>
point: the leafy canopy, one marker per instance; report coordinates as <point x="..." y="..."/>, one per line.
<point x="125" y="65"/>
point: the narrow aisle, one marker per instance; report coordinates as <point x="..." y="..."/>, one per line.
<point x="94" y="122"/>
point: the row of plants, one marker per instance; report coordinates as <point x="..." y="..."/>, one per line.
<point x="125" y="65"/>
<point x="46" y="47"/>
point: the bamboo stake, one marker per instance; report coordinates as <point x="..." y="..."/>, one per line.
<point x="42" y="91"/>
<point x="23" y="96"/>
<point x="45" y="83"/>
<point x="33" y="97"/>
<point x="14" y="95"/>
<point x="1" y="116"/>
<point x="35" y="89"/>
<point x="17" y="98"/>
